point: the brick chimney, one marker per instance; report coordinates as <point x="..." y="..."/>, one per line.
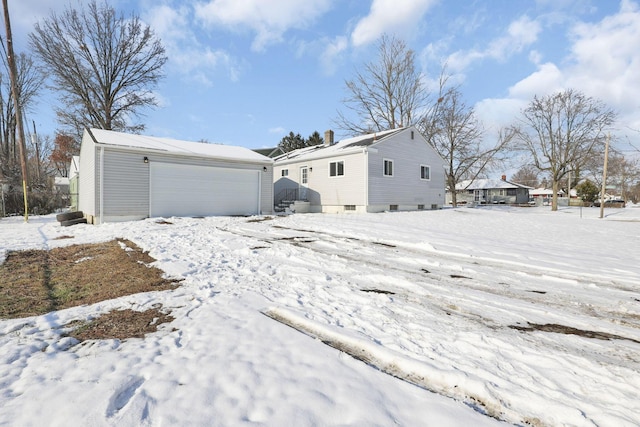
<point x="504" y="177"/>
<point x="328" y="137"/>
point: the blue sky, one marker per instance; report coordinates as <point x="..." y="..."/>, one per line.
<point x="246" y="72"/>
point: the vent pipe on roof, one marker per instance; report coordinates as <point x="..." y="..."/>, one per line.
<point x="328" y="137"/>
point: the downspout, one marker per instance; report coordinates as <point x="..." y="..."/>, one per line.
<point x="101" y="176"/>
<point x="260" y="191"/>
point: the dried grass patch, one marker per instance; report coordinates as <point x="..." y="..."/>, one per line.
<point x="35" y="282"/>
<point x="121" y="324"/>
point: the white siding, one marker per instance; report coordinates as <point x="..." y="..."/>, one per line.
<point x="325" y="190"/>
<point x="405" y="188"/>
<point x="188" y="190"/>
<point x="347" y="189"/>
<point x="87" y="177"/>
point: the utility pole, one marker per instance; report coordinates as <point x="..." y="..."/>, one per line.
<point x="34" y="140"/>
<point x="13" y="74"/>
<point x="604" y="176"/>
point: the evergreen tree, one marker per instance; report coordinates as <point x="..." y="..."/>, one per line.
<point x="314" y="139"/>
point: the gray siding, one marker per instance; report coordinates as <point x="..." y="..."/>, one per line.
<point x="126" y="184"/>
<point x="406" y="187"/>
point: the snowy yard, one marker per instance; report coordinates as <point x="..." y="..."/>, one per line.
<point x="527" y="315"/>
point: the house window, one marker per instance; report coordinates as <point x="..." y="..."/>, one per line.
<point x="511" y="192"/>
<point x="349" y="207"/>
<point x="420" y="207"/>
<point x="425" y="172"/>
<point x="336" y="168"/>
<point x="388" y="167"/>
<point x="284" y="172"/>
<point x="393" y="207"/>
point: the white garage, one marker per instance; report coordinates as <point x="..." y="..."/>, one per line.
<point x="185" y="190"/>
<point x="126" y="177"/>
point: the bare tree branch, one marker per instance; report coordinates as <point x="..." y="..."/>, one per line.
<point x="562" y="132"/>
<point x="387" y="94"/>
<point x="103" y="64"/>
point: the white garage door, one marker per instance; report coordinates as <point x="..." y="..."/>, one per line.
<point x="187" y="190"/>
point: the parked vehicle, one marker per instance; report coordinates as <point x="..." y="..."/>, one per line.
<point x="611" y="203"/>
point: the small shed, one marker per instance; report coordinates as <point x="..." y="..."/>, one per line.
<point x="127" y="177"/>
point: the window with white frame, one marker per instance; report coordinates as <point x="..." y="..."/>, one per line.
<point x="285" y="172"/>
<point x="425" y="172"/>
<point x="336" y="168"/>
<point x="387" y="167"/>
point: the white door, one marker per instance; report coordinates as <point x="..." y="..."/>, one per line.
<point x="187" y="190"/>
<point x="304" y="179"/>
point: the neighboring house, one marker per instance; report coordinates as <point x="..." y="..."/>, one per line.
<point x="490" y="191"/>
<point x="390" y="170"/>
<point x="127" y="177"/>
<point x="269" y="152"/>
<point x="61" y="185"/>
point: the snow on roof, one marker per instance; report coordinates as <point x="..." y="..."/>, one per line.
<point x="357" y="143"/>
<point x="219" y="151"/>
<point x="541" y="191"/>
<point x="60" y="180"/>
<point x="486" y="184"/>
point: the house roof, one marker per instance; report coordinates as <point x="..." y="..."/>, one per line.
<point x="340" y="147"/>
<point x="487" y="184"/>
<point x="269" y="152"/>
<point x="175" y="146"/>
<point x="544" y="192"/>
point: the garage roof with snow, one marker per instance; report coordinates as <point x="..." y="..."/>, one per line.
<point x="175" y="146"/>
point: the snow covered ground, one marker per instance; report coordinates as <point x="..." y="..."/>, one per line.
<point x="521" y="313"/>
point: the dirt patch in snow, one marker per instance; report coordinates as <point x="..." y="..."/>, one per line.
<point x="568" y="330"/>
<point x="35" y="282"/>
<point x="120" y="324"/>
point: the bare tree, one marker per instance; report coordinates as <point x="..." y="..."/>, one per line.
<point x="457" y="135"/>
<point x="28" y="81"/>
<point x="623" y="173"/>
<point x="562" y="131"/>
<point x="527" y="175"/>
<point x="388" y="93"/>
<point x="103" y="65"/>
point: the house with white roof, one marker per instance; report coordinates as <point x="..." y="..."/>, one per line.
<point x="490" y="191"/>
<point x="126" y="177"/>
<point x="384" y="171"/>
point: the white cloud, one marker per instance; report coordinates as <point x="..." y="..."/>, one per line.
<point x="604" y="63"/>
<point x="389" y="16"/>
<point x="605" y="57"/>
<point x="277" y="130"/>
<point x="548" y="78"/>
<point x="268" y="19"/>
<point x="334" y="48"/>
<point x="520" y="34"/>
<point x="186" y="54"/>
